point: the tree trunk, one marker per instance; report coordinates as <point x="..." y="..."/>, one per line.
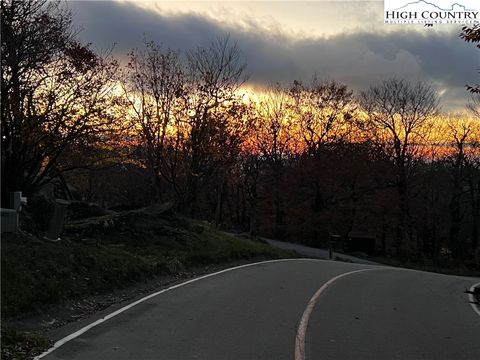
<point x="402" y="216"/>
<point x="455" y="214"/>
<point x="253" y="231"/>
<point x="219" y="205"/>
<point x="475" y="199"/>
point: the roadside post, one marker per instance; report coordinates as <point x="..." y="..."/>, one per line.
<point x="56" y="223"/>
<point x="333" y="238"/>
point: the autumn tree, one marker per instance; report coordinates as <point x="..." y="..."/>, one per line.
<point x="472" y="34"/>
<point x="55" y="93"/>
<point x="398" y="114"/>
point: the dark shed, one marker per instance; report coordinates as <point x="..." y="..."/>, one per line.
<point x="361" y="241"/>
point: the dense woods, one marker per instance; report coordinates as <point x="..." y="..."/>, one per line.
<point x="297" y="161"/>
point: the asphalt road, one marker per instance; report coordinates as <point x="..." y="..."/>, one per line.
<point x="254" y="313"/>
<point x="317" y="253"/>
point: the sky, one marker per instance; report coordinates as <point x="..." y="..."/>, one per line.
<point x="282" y="41"/>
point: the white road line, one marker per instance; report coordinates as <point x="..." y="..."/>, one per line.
<point x="472" y="299"/>
<point x="302" y="326"/>
<point x="76" y="334"/>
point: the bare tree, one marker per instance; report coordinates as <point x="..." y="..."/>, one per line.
<point x="460" y="133"/>
<point x="275" y="133"/>
<point x="154" y="91"/>
<point x="473" y="186"/>
<point x="251" y="164"/>
<point x="323" y="109"/>
<point x="251" y="168"/>
<point x="474" y="105"/>
<point x="398" y="113"/>
<point x="215" y="74"/>
<point x="274" y="141"/>
<point x="472" y="34"/>
<point x="234" y="129"/>
<point x="463" y="164"/>
<point x="55" y="93"/>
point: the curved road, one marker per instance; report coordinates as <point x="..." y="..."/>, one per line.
<point x="253" y="312"/>
<point x="317" y="253"/>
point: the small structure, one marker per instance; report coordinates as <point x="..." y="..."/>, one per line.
<point x="9" y="221"/>
<point x="333" y="241"/>
<point x="17" y="200"/>
<point x="361" y="241"/>
<point x="56" y="222"/>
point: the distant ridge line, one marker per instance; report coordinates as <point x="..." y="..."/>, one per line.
<point x="434" y="5"/>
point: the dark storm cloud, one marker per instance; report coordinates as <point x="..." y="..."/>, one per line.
<point x="359" y="58"/>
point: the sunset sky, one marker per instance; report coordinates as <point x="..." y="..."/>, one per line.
<point x="282" y="41"/>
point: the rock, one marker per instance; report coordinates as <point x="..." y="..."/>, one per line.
<point x="199" y="229"/>
<point x="157" y="210"/>
<point x="82" y="210"/>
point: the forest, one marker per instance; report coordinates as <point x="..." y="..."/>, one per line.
<point x="298" y="161"/>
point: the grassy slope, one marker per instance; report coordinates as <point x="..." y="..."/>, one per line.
<point x="101" y="254"/>
<point x="36" y="273"/>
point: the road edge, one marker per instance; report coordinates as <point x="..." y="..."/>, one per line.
<point x="84" y="329"/>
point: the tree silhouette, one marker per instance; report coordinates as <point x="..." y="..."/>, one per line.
<point x="398" y="113"/>
<point x="215" y="74"/>
<point x="472" y="34"/>
<point x="56" y="93"/>
<point x="274" y="140"/>
<point x="153" y="87"/>
<point x="323" y="109"/>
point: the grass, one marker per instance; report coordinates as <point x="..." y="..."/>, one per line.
<point x="22" y="345"/>
<point x="36" y="273"/>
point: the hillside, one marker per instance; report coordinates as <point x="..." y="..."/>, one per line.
<point x="98" y="258"/>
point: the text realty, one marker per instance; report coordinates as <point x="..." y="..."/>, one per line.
<point x="454" y="15"/>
